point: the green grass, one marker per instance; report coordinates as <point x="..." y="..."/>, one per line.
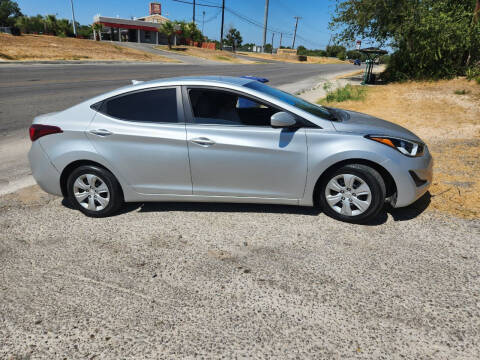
<point x="461" y="92"/>
<point x="225" y="58"/>
<point x="348" y="92"/>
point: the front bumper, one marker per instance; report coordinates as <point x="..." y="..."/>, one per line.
<point x="45" y="174"/>
<point x="410" y="189"/>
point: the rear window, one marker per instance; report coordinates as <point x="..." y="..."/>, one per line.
<point x="159" y="105"/>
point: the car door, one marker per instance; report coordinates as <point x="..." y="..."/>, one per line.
<point x="235" y="152"/>
<point x="142" y="135"/>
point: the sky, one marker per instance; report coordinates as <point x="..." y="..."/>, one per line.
<point x="312" y="30"/>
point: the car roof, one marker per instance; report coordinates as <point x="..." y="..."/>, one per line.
<point x="200" y="80"/>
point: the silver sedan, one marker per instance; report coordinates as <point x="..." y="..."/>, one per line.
<point x="225" y="139"/>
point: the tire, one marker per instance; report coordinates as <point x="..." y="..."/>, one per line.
<point x="94" y="191"/>
<point x="358" y="203"/>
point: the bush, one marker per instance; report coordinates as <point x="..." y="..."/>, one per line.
<point x="341" y="55"/>
<point x="348" y="92"/>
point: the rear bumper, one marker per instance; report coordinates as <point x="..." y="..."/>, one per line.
<point x="409" y="188"/>
<point x="45" y="174"/>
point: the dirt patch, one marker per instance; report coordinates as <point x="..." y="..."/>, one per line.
<point x="43" y="47"/>
<point x="450" y="125"/>
<point x="209" y="54"/>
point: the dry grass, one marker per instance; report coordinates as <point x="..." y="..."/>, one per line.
<point x="449" y="123"/>
<point x="215" y="55"/>
<point x="43" y="47"/>
<point x="310" y="59"/>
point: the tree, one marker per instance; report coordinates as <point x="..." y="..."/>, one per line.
<point x="168" y="28"/>
<point x="51" y="25"/>
<point x="233" y="38"/>
<point x="191" y="31"/>
<point x="431" y="38"/>
<point x="268" y="48"/>
<point x="334" y="50"/>
<point x="301" y="50"/>
<point x="9" y="12"/>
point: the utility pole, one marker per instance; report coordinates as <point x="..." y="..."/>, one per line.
<point x="280" y="46"/>
<point x="265" y="26"/>
<point x="193" y="12"/>
<point x="295" y="33"/>
<point x="221" y="30"/>
<point x="203" y="20"/>
<point x="273" y="35"/>
<point x="73" y="18"/>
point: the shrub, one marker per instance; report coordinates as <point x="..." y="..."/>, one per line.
<point x="348" y="92"/>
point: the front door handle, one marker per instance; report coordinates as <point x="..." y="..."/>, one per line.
<point x="203" y="141"/>
<point x="101" y="132"/>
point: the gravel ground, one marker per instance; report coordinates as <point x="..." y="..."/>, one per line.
<point x="232" y="281"/>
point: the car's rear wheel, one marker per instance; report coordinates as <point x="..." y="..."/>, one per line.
<point x="94" y="191"/>
<point x="353" y="193"/>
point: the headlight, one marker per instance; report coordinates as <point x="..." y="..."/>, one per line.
<point x="406" y="147"/>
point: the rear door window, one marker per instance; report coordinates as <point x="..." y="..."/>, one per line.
<point x="158" y="105"/>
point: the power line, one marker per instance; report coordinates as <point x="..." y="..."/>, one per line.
<point x="197" y="4"/>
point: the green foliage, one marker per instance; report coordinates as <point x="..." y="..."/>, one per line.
<point x="268" y="48"/>
<point x="334" y="50"/>
<point x="168" y="28"/>
<point x="355" y="54"/>
<point x="432" y="39"/>
<point x="190" y="31"/>
<point x="342" y="55"/>
<point x="348" y="92"/>
<point x="9" y="12"/>
<point x="233" y="38"/>
<point x="301" y="50"/>
<point x="50" y="25"/>
<point x="461" y="92"/>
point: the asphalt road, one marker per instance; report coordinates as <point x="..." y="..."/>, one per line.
<point x="30" y="90"/>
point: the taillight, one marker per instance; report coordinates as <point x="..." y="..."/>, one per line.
<point x="37" y="131"/>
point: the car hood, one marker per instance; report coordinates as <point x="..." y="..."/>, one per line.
<point x="352" y="121"/>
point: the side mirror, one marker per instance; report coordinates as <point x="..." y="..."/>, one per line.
<point x="282" y="120"/>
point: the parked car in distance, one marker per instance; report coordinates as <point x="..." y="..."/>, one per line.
<point x="225" y="139"/>
<point x="357" y="62"/>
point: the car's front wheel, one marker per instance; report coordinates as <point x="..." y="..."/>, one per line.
<point x="353" y="193"/>
<point x="94" y="191"/>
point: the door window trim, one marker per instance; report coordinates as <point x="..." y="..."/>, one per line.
<point x="189" y="117"/>
<point x="179" y="99"/>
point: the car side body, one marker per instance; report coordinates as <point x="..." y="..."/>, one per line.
<point x="257" y="164"/>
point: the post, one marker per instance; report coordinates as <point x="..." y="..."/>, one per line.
<point x="221" y="29"/>
<point x="280" y="46"/>
<point x="94" y="35"/>
<point x="138" y="35"/>
<point x="73" y="19"/>
<point x="193" y="12"/>
<point x="203" y="21"/>
<point x="273" y="35"/>
<point x="295" y="33"/>
<point x="112" y="34"/>
<point x="265" y="26"/>
<point x="119" y="35"/>
<point x="156" y="37"/>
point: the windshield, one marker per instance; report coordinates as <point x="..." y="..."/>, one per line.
<point x="313" y="109"/>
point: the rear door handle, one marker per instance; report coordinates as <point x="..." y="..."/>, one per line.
<point x="101" y="132"/>
<point x="203" y="141"/>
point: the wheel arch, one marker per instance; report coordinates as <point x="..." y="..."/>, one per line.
<point x="391" y="187"/>
<point x="77" y="163"/>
